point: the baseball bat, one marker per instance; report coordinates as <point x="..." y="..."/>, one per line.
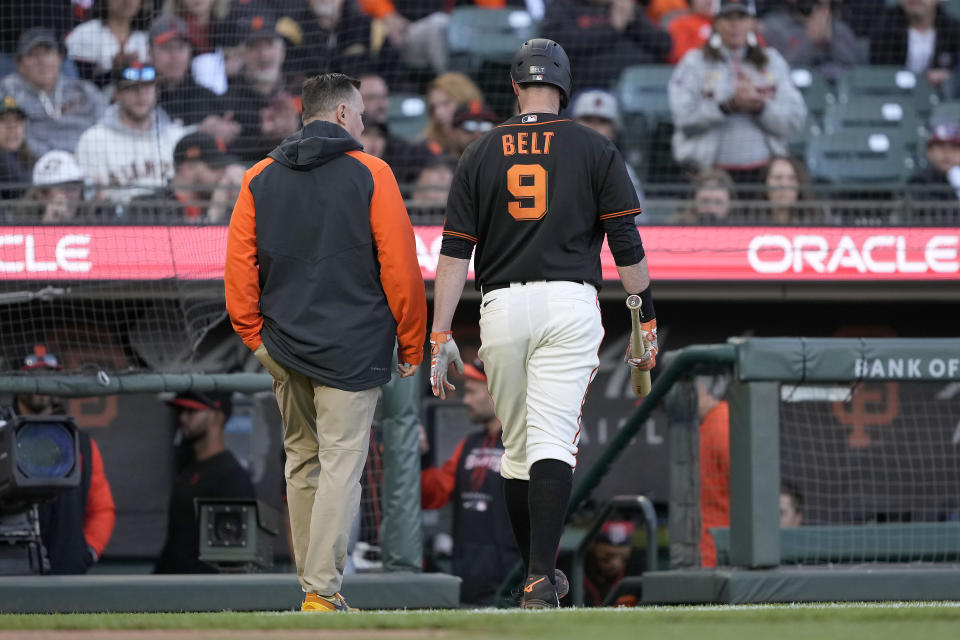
<point x="640" y="379"/>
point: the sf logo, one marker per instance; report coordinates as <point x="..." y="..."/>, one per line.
<point x="872" y="405"/>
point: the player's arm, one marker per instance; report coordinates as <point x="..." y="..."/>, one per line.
<point x="101" y="513"/>
<point x="437" y="483"/>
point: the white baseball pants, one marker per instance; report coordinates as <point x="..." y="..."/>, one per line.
<point x="539" y="347"/>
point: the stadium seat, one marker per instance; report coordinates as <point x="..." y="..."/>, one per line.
<point x="642" y="89"/>
<point x="880" y="115"/>
<point x="797" y="144"/>
<point x="815" y="90"/>
<point x="475" y="35"/>
<point x="647" y="122"/>
<point x="945" y="112"/>
<point x="887" y="82"/>
<point x="861" y="156"/>
<point x="407" y="115"/>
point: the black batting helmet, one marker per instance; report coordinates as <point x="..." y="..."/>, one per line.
<point x="543" y="61"/>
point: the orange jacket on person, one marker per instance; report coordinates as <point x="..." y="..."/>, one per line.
<point x="714" y="478"/>
<point x="383" y="8"/>
<point x="101" y="512"/>
<point x="688" y="32"/>
<point x="321" y="262"/>
<point x="657" y="9"/>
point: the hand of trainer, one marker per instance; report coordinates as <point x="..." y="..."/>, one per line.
<point x="648" y="360"/>
<point x="443" y="352"/>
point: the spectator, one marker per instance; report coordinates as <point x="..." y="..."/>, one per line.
<point x="130" y="151"/>
<point x="374" y="137"/>
<point x="58" y="188"/>
<point x="733" y="102"/>
<point x="258" y="98"/>
<point x="691" y="30"/>
<point x="76" y="525"/>
<point x="205" y="20"/>
<point x="404" y="158"/>
<point x="443" y="96"/>
<point x="58" y="109"/>
<point x="713" y="191"/>
<point x="788" y="192"/>
<point x="116" y="35"/>
<point x="417" y="28"/>
<point x="213" y="472"/>
<point x="604" y="36"/>
<point x="940" y="179"/>
<point x="606" y="561"/>
<point x="484" y="550"/>
<point x="917" y="35"/>
<point x="808" y="35"/>
<point x="15" y="158"/>
<point x="204" y="178"/>
<point x="433" y="184"/>
<point x="470" y="121"/>
<point x="16" y="17"/>
<point x="599" y="111"/>
<point x="177" y="92"/>
<point x="791" y="506"/>
<point x="334" y="35"/>
<point x="663" y="12"/>
<point x="714" y="415"/>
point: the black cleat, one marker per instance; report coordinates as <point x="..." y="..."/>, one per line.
<point x="540" y="593"/>
<point x="562" y="584"/>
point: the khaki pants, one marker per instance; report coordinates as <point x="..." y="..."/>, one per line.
<point x="326" y="439"/>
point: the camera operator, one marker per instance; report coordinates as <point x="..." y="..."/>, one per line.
<point x="76" y="525"/>
<point x="809" y="34"/>
<point x="213" y="472"/>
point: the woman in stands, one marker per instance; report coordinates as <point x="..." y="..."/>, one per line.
<point x="445" y="93"/>
<point x="117" y="32"/>
<point x="789" y="193"/>
<point x="733" y="102"/>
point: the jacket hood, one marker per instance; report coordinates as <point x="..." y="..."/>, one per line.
<point x="159" y="122"/>
<point x="314" y="145"/>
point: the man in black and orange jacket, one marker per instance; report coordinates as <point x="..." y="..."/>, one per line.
<point x="321" y="282"/>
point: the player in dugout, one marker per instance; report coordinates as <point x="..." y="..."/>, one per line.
<point x="535" y="197"/>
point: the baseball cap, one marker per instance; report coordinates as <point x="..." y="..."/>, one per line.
<point x="256" y="23"/>
<point x="737" y="6"/>
<point x="203" y="401"/>
<point x="166" y="28"/>
<point x="597" y="104"/>
<point x="945" y="132"/>
<point x="57" y="167"/>
<point x="202" y="147"/>
<point x="39" y="358"/>
<point x="474" y="117"/>
<point x="616" y="532"/>
<point x="474" y="370"/>
<point x="9" y="105"/>
<point x="35" y="37"/>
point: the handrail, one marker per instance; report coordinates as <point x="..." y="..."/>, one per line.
<point x="617" y="502"/>
<point x="680" y="362"/>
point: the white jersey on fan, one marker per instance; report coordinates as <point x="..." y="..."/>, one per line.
<point x="129" y="162"/>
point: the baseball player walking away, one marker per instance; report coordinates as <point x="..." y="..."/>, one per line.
<point x="535" y="197"/>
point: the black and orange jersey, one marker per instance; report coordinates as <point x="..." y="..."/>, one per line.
<point x="536" y="195"/>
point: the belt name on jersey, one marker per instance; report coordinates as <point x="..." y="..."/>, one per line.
<point x="527" y="142"/>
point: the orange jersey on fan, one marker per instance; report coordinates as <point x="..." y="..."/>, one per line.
<point x="714" y="478"/>
<point x="688" y="32"/>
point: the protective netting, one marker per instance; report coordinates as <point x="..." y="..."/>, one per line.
<point x="870" y="473"/>
<point x="147" y="112"/>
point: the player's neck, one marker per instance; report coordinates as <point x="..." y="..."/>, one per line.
<point x="539" y="100"/>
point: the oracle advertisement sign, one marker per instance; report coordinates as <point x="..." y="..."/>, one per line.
<point x="674" y="253"/>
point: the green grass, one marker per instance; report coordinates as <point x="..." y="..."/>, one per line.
<point x="894" y="621"/>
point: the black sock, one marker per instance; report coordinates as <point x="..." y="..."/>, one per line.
<point x="515" y="495"/>
<point x="550" y="485"/>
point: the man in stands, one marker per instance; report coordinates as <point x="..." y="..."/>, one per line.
<point x="130" y="151"/>
<point x="58" y="109"/>
<point x="76" y="525"/>
<point x="917" y="35"/>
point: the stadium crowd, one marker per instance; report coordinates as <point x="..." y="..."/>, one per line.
<point x="116" y="109"/>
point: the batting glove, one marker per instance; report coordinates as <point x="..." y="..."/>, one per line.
<point x="443" y="352"/>
<point x="648" y="360"/>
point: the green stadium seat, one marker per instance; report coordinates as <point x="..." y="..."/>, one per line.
<point x="797" y="144"/>
<point x="407" y="115"/>
<point x="861" y="156"/>
<point x="887" y="82"/>
<point x="642" y="90"/>
<point x="945" y="112"/>
<point x="476" y="35"/>
<point x="814" y="88"/>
